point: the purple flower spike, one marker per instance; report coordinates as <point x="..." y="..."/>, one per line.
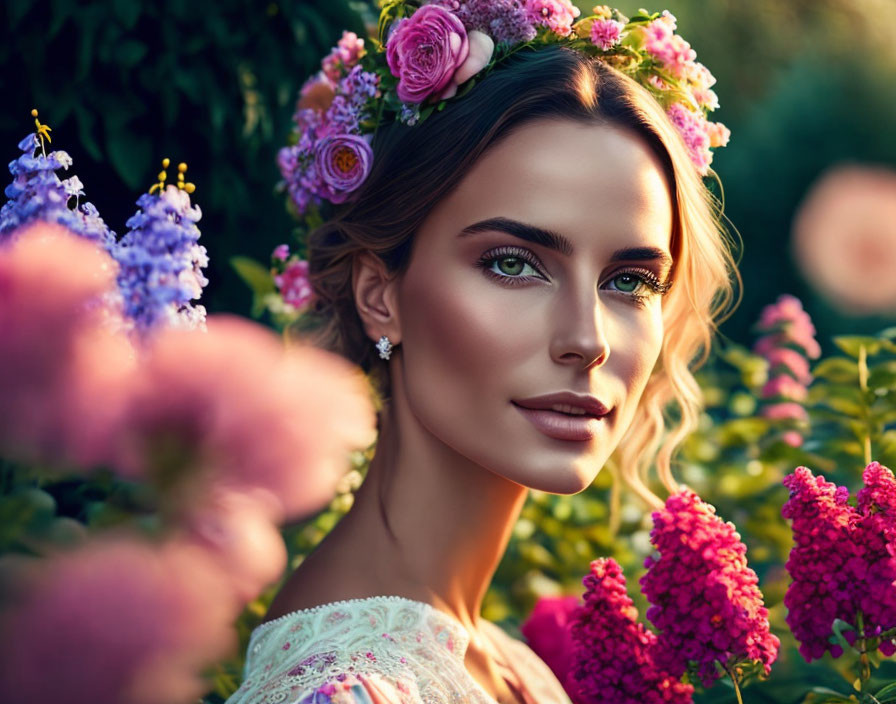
<point x="161" y="263"/>
<point x="706" y="602"/>
<point x="37" y="193"/>
<point x="614" y="655"/>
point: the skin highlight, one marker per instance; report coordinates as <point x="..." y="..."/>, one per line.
<point x="492" y="310"/>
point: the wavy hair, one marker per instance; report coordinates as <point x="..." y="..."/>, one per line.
<point x="416" y="166"/>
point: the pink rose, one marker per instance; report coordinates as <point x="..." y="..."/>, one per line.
<point x="548" y="632"/>
<point x="424" y="52"/>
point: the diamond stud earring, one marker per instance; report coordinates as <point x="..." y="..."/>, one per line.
<point x="384" y="347"/>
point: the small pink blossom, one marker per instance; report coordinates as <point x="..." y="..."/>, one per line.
<point x="281" y="252"/>
<point x="556" y="15"/>
<point x="294" y="284"/>
<point x="692" y="126"/>
<point x="317" y="94"/>
<point x="344" y="56"/>
<point x="424" y="51"/>
<point x="606" y="33"/>
<point x="548" y="632"/>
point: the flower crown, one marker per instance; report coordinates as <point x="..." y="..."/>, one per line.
<point x="427" y="54"/>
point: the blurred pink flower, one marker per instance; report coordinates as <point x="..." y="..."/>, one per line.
<point x="787" y="359"/>
<point x="844" y="238"/>
<point x="785" y="322"/>
<point x="237" y="530"/>
<point x="785" y="411"/>
<point x="116" y="622"/>
<point x="548" y="632"/>
<point x="293" y="282"/>
<point x="606" y="33"/>
<point x="234" y="409"/>
<point x="784" y="386"/>
<point x="65" y="365"/>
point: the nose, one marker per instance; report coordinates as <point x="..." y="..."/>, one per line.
<point x="580" y="335"/>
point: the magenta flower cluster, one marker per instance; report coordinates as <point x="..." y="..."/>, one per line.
<point x="706" y="607"/>
<point x="843" y="560"/>
<point x="706" y="601"/>
<point x="331" y="158"/>
<point x="787" y="342"/>
<point x="614" y="656"/>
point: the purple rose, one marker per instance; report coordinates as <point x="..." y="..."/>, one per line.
<point x="343" y="162"/>
<point x="424" y="52"/>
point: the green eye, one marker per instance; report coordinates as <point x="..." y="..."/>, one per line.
<point x="511" y="266"/>
<point x="627" y="283"/>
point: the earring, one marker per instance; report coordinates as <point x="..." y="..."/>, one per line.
<point x="384" y="347"/>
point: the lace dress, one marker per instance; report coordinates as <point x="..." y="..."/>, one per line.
<point x="379" y="650"/>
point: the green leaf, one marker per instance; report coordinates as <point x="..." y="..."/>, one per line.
<point x="838" y="370"/>
<point x="886" y="693"/>
<point x="838" y="627"/>
<point x="257" y="277"/>
<point x="851" y="344"/>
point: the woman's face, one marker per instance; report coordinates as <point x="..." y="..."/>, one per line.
<point x="531" y="311"/>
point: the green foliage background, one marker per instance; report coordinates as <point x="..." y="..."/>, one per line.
<point x="804" y="84"/>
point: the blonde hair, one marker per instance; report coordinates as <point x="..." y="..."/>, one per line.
<point x="414" y="167"/>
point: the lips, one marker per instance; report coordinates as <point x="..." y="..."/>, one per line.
<point x="565" y="415"/>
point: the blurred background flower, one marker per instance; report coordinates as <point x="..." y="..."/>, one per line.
<point x="845" y="239"/>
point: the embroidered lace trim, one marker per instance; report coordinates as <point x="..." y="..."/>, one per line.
<point x="403" y="640"/>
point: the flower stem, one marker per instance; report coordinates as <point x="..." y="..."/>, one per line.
<point x="863" y="385"/>
<point x="733" y="677"/>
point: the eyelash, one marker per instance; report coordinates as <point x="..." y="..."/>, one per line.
<point x="647" y="277"/>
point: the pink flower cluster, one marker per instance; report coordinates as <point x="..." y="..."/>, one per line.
<point x="706" y="607"/>
<point x="843" y="560"/>
<point x="614" y="656"/>
<point x="229" y="429"/>
<point x="679" y="61"/>
<point x="331" y="158"/>
<point x="118" y="621"/>
<point x="291" y="278"/>
<point x="606" y="33"/>
<point x="787" y="342"/>
<point x="706" y="601"/>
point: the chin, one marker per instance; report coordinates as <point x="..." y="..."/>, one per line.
<point x="568" y="479"/>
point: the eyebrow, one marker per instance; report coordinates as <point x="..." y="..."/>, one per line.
<point x="559" y="243"/>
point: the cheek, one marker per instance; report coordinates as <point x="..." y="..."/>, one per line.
<point x="639" y="341"/>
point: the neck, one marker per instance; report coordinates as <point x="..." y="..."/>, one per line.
<point x="428" y="523"/>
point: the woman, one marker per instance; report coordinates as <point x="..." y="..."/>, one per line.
<point x="528" y="274"/>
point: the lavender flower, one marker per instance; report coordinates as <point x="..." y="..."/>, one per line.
<point x="614" y="655"/>
<point x="505" y="21"/>
<point x="161" y="263"/>
<point x="706" y="602"/>
<point x="37" y="193"/>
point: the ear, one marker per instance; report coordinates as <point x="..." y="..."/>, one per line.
<point x="376" y="297"/>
